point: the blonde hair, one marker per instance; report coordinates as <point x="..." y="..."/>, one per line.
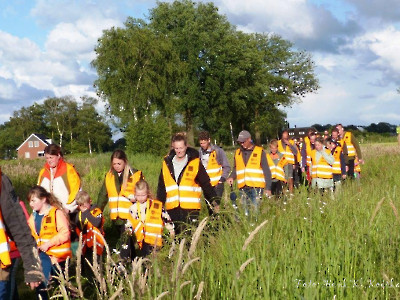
<point x="82" y="197"/>
<point x="143" y="185"/>
<point x="274" y="142"/>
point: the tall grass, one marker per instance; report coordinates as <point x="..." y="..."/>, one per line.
<point x="310" y="247"/>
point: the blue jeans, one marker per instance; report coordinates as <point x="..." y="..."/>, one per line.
<point x="4" y="289"/>
<point x="249" y="197"/>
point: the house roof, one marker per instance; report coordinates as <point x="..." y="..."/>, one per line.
<point x="40" y="136"/>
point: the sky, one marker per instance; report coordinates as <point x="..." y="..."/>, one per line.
<point x="46" y="47"/>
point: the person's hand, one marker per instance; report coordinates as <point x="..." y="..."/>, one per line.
<point x="361" y="161"/>
<point x="216" y="209"/>
<point x="44" y="247"/>
<point x="268" y="193"/>
<point x="230" y="180"/>
<point x="303" y="170"/>
<point x="132" y="198"/>
<point x="347" y="169"/>
<point x="344" y="176"/>
<point x="33" y="285"/>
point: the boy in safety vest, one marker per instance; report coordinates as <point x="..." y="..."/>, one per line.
<point x="148" y="219"/>
<point x="89" y="221"/>
<point x="277" y="163"/>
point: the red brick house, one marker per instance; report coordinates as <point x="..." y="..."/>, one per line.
<point x="33" y="146"/>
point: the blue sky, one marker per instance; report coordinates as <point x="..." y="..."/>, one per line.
<point x="46" y="47"/>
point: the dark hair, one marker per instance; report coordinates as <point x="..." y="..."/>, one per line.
<point x="336" y="126"/>
<point x="335" y="130"/>
<point x="41" y="192"/>
<point x="204" y="136"/>
<point x="120" y="154"/>
<point x="319" y="140"/>
<point x="179" y="136"/>
<point x="53" y="149"/>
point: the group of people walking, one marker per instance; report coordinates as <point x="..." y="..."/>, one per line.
<point x="61" y="211"/>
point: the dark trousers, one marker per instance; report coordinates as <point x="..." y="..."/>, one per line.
<point x="184" y="219"/>
<point x="350" y="172"/>
<point x="276" y="188"/>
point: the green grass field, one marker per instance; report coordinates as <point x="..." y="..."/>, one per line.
<point x="310" y="247"/>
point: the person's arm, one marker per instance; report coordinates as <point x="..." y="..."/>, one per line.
<point x="223" y="161"/>
<point x="95" y="221"/>
<point x="232" y="176"/>
<point x="342" y="164"/>
<point x="266" y="171"/>
<point x="19" y="231"/>
<point x="303" y="157"/>
<point x="102" y="198"/>
<point x="63" y="233"/>
<point x="74" y="182"/>
<point x="328" y="157"/>
<point x="357" y="147"/>
<point x="169" y="225"/>
<point x="161" y="192"/>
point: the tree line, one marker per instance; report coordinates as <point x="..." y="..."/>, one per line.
<point x="76" y="126"/>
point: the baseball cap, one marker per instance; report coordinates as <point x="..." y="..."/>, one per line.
<point x="243" y="136"/>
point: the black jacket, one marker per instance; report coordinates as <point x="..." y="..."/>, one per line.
<point x="201" y="179"/>
<point x="18" y="230"/>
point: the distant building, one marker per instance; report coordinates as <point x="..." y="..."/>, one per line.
<point x="298" y="132"/>
<point x="33" y="146"/>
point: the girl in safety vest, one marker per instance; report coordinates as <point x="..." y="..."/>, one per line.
<point x="321" y="166"/>
<point x="277" y="162"/>
<point x="148" y="219"/>
<point x="50" y="228"/>
<point x="89" y="221"/>
<point x="118" y="191"/>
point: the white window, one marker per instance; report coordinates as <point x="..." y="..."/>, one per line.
<point x="27" y="155"/>
<point x="30" y="144"/>
<point x="36" y="144"/>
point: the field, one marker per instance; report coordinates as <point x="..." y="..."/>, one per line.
<point x="310" y="247"/>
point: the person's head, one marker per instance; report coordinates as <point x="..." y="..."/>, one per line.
<point x="312" y="137"/>
<point x="244" y="139"/>
<point x="340" y="129"/>
<point x="309" y="132"/>
<point x="39" y="199"/>
<point x="118" y="160"/>
<point x="285" y="136"/>
<point x="142" y="191"/>
<point x="83" y="200"/>
<point x="204" y="140"/>
<point x="326" y="133"/>
<point x="335" y="134"/>
<point x="330" y="143"/>
<point x="273" y="146"/>
<point x="179" y="144"/>
<point x="319" y="143"/>
<point x="52" y="154"/>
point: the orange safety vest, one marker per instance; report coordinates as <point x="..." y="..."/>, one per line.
<point x="214" y="169"/>
<point x="308" y="151"/>
<point x="118" y="201"/>
<point x="357" y="167"/>
<point x="320" y="169"/>
<point x="252" y="174"/>
<point x="277" y="169"/>
<point x="287" y="152"/>
<point x="351" y="151"/>
<point x="336" y="167"/>
<point x="92" y="233"/>
<point x="48" y="229"/>
<point x="187" y="194"/>
<point x="5" y="259"/>
<point x="65" y="184"/>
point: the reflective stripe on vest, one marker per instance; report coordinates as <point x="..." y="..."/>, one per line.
<point x="321" y="169"/>
<point x="187" y="194"/>
<point x="214" y="170"/>
<point x="252" y="174"/>
<point x="277" y="169"/>
<point x="118" y="202"/>
<point x="4" y="246"/>
<point x="337" y="167"/>
<point x="48" y="230"/>
<point x="153" y="226"/>
<point x="287" y="152"/>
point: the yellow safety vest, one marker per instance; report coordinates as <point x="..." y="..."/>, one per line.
<point x="287" y="152"/>
<point x="277" y="170"/>
<point x="351" y="151"/>
<point x="118" y="201"/>
<point x="252" y="174"/>
<point x="357" y="167"/>
<point x="48" y="229"/>
<point x="214" y="170"/>
<point x="308" y="150"/>
<point x="336" y="167"/>
<point x="320" y="169"/>
<point x="92" y="233"/>
<point x="188" y="193"/>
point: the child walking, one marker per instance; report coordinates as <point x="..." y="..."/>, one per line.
<point x="148" y="219"/>
<point x="89" y="221"/>
<point x="50" y="228"/>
